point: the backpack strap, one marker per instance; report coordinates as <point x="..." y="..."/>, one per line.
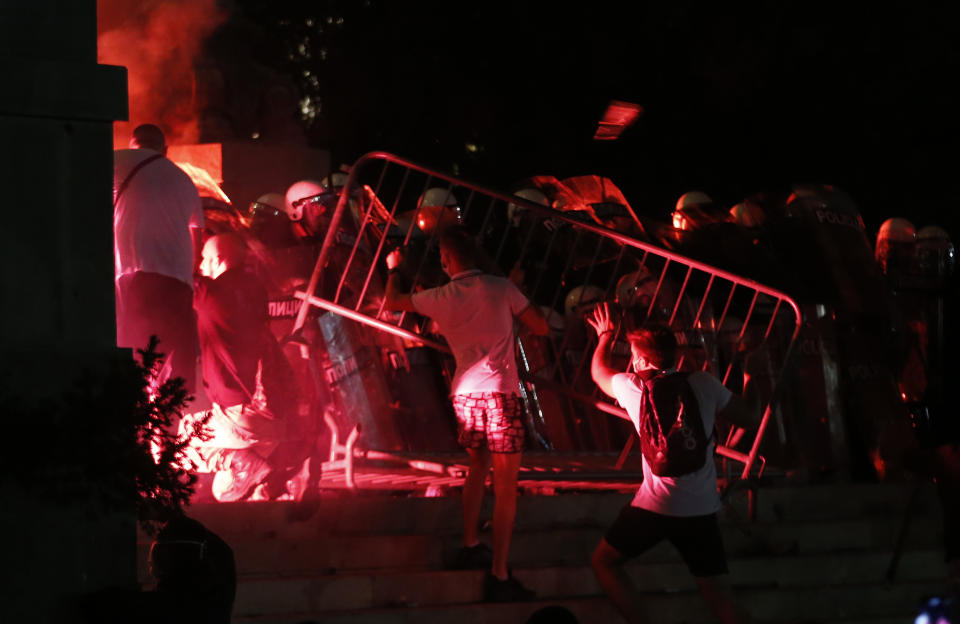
<point x="649" y="418"/>
<point x="126" y="181"/>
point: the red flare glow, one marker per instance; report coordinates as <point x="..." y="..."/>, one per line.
<point x="158" y="41"/>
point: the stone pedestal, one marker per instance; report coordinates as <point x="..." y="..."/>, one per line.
<point x="56" y="290"/>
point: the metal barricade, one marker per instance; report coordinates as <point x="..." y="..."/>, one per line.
<point x="566" y="262"/>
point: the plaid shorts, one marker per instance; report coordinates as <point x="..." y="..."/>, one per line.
<point x="490" y="419"/>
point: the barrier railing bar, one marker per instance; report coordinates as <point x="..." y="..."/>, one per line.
<point x="383" y="176"/>
<point x="383" y="240"/>
<point x="726" y="307"/>
<point x="683" y="290"/>
<point x="356" y="243"/>
<point x="353" y="253"/>
<point x="773" y="318"/>
<point x="486" y="217"/>
<point x="563" y="275"/>
<point x="468" y="204"/>
<point x="502" y="244"/>
<point x="580" y="227"/>
<point x="743" y="332"/>
<point x="606" y="293"/>
<point x="547" y="212"/>
<point x="543" y="263"/>
<point x="656" y="292"/>
<point x="372" y="322"/>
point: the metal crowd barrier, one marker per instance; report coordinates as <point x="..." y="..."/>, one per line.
<point x="566" y="261"/>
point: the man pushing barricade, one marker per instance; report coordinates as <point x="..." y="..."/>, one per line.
<point x="253" y="440"/>
<point x="476" y="312"/>
<point x="674" y="414"/>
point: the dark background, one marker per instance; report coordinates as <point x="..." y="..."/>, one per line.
<point x="736" y="99"/>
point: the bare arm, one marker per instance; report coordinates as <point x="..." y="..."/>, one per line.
<point x="744" y="410"/>
<point x="600" y="368"/>
<point x="196" y="237"/>
<point x="533" y="319"/>
<point x="394" y="299"/>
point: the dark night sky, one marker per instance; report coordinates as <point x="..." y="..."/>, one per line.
<point x="737" y="100"/>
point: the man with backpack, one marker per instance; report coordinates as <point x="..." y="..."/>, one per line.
<point x="674" y="415"/>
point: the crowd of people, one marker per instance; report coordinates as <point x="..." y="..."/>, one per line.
<point x="206" y="298"/>
<point x="198" y="293"/>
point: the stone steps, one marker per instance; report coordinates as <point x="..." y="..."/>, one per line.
<point x="816" y="553"/>
<point x="344" y="516"/>
<point x="847" y="604"/>
<point x="286" y="554"/>
<point x="375" y="514"/>
<point x="382" y="589"/>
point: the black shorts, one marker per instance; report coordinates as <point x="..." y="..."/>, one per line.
<point x="697" y="538"/>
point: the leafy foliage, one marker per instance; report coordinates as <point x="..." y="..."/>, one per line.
<point x="111" y="440"/>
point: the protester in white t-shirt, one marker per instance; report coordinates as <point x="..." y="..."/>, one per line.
<point x="680" y="508"/>
<point x="157" y="225"/>
<point x="476" y="313"/>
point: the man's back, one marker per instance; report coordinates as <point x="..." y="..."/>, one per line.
<point x="153" y="216"/>
<point x="690" y="494"/>
<point x="232" y="326"/>
<point x="475" y="313"/>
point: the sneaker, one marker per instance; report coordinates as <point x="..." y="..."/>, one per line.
<point x="510" y="590"/>
<point x="299" y="484"/>
<point x="477" y="557"/>
<point x="245" y="472"/>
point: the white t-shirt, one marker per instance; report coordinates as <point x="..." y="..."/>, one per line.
<point x="475" y="313"/>
<point x="693" y="494"/>
<point x="152" y="220"/>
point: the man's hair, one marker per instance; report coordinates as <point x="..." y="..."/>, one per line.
<point x="150" y="137"/>
<point x="656" y="343"/>
<point x="459" y="243"/>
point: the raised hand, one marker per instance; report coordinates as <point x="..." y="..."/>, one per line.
<point x="394" y="258"/>
<point x="599" y="319"/>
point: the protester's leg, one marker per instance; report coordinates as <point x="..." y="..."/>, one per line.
<point x="718" y="594"/>
<point x="505" y="438"/>
<point x="506" y="466"/>
<point x="607" y="564"/>
<point x="135" y="321"/>
<point x="700" y="543"/>
<point x="633" y="532"/>
<point x="471" y="436"/>
<point x="178" y="328"/>
<point x="473" y="487"/>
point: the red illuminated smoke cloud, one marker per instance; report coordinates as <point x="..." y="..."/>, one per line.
<point x="158" y="41"/>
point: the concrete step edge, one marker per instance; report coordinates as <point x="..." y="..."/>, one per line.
<point x="770" y="605"/>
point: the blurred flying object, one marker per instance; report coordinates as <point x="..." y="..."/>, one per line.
<point x="618" y="117"/>
<point x="593" y="195"/>
<point x="203" y="180"/>
<point x="203" y="162"/>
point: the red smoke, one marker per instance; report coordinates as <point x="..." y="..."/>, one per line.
<point x="158" y="41"/>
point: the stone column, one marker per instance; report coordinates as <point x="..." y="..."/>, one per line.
<point x="57" y="106"/>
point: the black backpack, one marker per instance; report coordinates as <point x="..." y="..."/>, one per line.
<point x="672" y="436"/>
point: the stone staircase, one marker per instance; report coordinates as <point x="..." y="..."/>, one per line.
<point x="815" y="553"/>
